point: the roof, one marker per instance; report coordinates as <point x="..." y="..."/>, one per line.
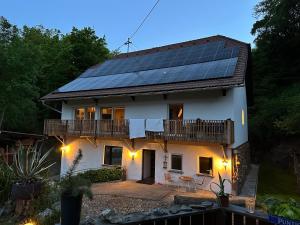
<point x="207" y="63"/>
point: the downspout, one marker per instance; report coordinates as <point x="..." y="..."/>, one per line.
<point x="50" y="107"/>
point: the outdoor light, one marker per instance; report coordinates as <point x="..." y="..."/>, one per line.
<point x="29" y="222"/>
<point x="225" y="163"/>
<point x="132" y="154"/>
<point x="64" y="148"/>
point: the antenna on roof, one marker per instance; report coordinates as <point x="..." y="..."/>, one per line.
<point x="128" y="43"/>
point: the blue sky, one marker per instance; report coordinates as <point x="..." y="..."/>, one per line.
<point x="172" y="20"/>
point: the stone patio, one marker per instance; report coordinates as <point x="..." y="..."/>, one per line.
<point x="129" y="196"/>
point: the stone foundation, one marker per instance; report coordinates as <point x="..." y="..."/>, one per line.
<point x="241" y="165"/>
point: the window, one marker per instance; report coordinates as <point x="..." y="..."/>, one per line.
<point x="119" y="114"/>
<point x="79" y="113"/>
<point x="90" y="111"/>
<point x="176" y="111"/>
<point x="176" y="162"/>
<point x="106" y="113"/>
<point x="113" y="155"/>
<point x="206" y="165"/>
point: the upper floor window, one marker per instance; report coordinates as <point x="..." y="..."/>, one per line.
<point x="85" y="113"/>
<point x="79" y="113"/>
<point x="176" y="111"/>
<point x="109" y="113"/>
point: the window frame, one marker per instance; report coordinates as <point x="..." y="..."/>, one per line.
<point x="110" y="159"/>
<point x="112" y="111"/>
<point x="212" y="166"/>
<point x="171" y="164"/>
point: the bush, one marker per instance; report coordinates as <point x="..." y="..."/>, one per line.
<point x="6" y="181"/>
<point x="102" y="175"/>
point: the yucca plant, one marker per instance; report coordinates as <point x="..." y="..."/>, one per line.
<point x="222" y="196"/>
<point x="29" y="163"/>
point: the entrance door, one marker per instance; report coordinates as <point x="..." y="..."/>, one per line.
<point x="148" y="166"/>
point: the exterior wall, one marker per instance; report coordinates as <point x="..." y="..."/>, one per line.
<point x="93" y="158"/>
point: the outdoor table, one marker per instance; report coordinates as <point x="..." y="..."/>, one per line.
<point x="188" y="180"/>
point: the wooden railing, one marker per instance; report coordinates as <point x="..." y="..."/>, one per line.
<point x="215" y="131"/>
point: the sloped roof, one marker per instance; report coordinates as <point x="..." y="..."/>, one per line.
<point x="207" y="63"/>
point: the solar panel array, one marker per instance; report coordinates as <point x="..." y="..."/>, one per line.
<point x="197" y="62"/>
<point x="171" y="58"/>
<point x="192" y="72"/>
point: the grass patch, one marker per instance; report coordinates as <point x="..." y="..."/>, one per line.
<point x="276" y="182"/>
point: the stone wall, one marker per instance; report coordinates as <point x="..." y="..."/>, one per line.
<point x="241" y="165"/>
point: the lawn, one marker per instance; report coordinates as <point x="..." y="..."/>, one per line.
<point x="276" y="182"/>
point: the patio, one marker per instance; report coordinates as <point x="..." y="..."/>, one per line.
<point x="129" y="196"/>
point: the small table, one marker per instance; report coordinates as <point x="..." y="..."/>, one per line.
<point x="188" y="180"/>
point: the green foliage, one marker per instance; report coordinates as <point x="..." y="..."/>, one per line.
<point x="285" y="208"/>
<point x="35" y="61"/>
<point x="220" y="185"/>
<point x="75" y="185"/>
<point x="29" y="163"/>
<point x="276" y="69"/>
<point x="6" y="181"/>
<point x="102" y="175"/>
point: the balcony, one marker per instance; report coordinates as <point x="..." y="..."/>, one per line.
<point x="212" y="131"/>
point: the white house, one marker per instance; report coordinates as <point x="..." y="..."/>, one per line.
<point x="179" y="109"/>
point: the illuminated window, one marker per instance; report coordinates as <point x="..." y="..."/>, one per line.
<point x="106" y="113"/>
<point x="243" y="117"/>
<point x="206" y="165"/>
<point x="113" y="155"/>
<point x="79" y="113"/>
<point x="176" y="162"/>
<point x="90" y="111"/>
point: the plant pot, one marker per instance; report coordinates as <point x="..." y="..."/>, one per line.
<point x="224" y="200"/>
<point x="70" y="209"/>
<point x="26" y="191"/>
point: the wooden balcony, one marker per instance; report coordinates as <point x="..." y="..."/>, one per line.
<point x="213" y="131"/>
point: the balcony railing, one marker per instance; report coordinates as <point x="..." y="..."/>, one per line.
<point x="215" y="131"/>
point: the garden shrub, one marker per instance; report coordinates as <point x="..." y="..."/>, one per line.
<point x="6" y="181"/>
<point x="102" y="175"/>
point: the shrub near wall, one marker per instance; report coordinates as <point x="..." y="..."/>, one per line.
<point x="102" y="175"/>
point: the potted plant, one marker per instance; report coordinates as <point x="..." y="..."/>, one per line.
<point x="222" y="197"/>
<point x="72" y="190"/>
<point x="29" y="163"/>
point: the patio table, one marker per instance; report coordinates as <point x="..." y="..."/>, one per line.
<point x="188" y="180"/>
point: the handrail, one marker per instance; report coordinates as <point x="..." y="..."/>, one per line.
<point x="217" y="131"/>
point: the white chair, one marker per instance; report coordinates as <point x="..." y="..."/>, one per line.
<point x="171" y="181"/>
<point x="198" y="181"/>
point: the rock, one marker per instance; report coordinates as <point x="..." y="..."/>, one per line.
<point x="47" y="212"/>
<point x="159" y="212"/>
<point x="182" y="208"/>
<point x="185" y="208"/>
<point x="7" y="209"/>
<point x="90" y="221"/>
<point x="116" y="219"/>
<point x="104" y="214"/>
<point x="135" y="217"/>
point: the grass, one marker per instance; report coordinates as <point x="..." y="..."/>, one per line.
<point x="276" y="182"/>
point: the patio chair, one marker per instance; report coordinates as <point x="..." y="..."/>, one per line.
<point x="198" y="182"/>
<point x="170" y="181"/>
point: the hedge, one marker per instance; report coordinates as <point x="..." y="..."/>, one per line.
<point x="102" y="175"/>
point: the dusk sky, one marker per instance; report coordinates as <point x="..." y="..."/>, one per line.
<point x="171" y="21"/>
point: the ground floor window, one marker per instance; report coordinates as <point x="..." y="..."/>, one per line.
<point x="176" y="162"/>
<point x="113" y="155"/>
<point x="206" y="165"/>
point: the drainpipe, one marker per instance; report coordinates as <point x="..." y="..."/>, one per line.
<point x="50" y="107"/>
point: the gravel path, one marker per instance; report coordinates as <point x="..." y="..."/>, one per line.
<point x="121" y="204"/>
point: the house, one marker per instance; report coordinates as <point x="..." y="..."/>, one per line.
<point x="179" y="109"/>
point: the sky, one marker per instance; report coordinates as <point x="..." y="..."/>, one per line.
<point x="172" y="21"/>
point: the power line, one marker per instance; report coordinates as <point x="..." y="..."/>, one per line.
<point x="129" y="42"/>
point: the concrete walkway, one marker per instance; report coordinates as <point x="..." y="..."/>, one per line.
<point x="250" y="186"/>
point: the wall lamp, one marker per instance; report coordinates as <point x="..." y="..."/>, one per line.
<point x="133" y="154"/>
<point x="225" y="163"/>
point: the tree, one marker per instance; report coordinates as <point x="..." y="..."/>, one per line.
<point x="276" y="71"/>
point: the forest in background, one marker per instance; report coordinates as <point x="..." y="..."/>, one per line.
<point x="35" y="61"/>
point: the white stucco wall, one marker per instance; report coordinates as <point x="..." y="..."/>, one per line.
<point x="93" y="158"/>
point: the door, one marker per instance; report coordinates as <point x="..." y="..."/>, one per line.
<point x="148" y="166"/>
<point x="175" y="119"/>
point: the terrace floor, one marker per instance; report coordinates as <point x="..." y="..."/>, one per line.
<point x="129" y="196"/>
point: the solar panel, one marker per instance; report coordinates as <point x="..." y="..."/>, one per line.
<point x="192" y="72"/>
<point x="169" y="58"/>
